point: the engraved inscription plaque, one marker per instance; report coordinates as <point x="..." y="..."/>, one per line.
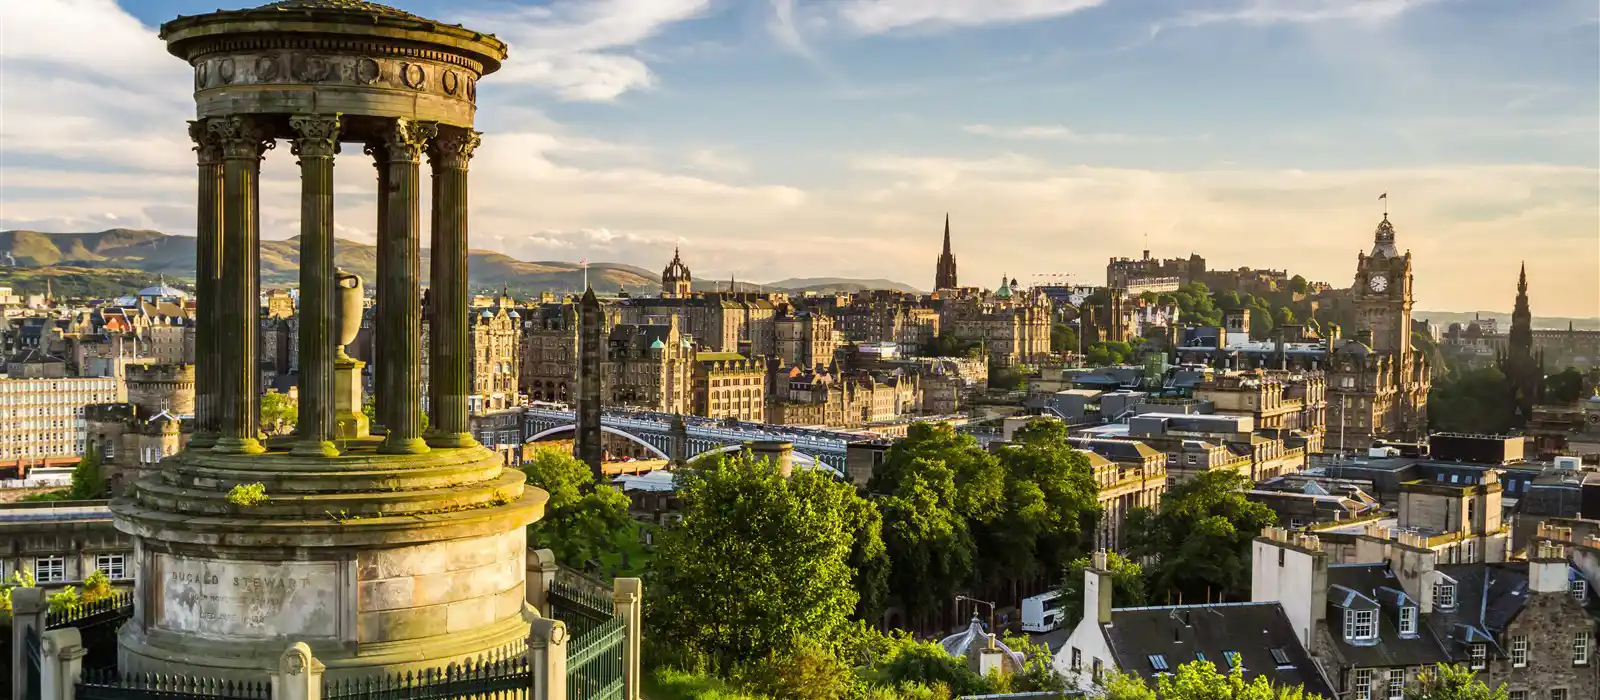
<point x="246" y="599"/>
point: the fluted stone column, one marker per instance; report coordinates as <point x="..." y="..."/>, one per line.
<point x="316" y="145"/>
<point x="449" y="351"/>
<point x="243" y="142"/>
<point x="400" y="286"/>
<point x="207" y="272"/>
<point x="378" y="361"/>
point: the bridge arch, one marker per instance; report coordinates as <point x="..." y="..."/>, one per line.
<point x="801" y="459"/>
<point x="605" y="429"/>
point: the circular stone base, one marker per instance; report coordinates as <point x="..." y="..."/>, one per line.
<point x="380" y="562"/>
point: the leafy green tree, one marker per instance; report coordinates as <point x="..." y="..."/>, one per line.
<point x="979" y="478"/>
<point x="926" y="664"/>
<point x="947" y="345"/>
<point x="19" y="579"/>
<point x="1048" y="509"/>
<point x="1451" y="682"/>
<point x="1063" y="338"/>
<point x="1115" y="685"/>
<point x="1298" y="285"/>
<point x="88" y="481"/>
<point x="810" y="672"/>
<point x="1474" y="401"/>
<point x="929" y="545"/>
<point x="582" y="519"/>
<point x="1006" y="378"/>
<point x="1200" y="680"/>
<point x="759" y="565"/>
<point x="1038" y="672"/>
<point x="63" y="600"/>
<point x="1200" y="538"/>
<point x="1284" y="317"/>
<point x="1127" y="586"/>
<point x="1564" y="387"/>
<point x="279" y="413"/>
<point x="869" y="559"/>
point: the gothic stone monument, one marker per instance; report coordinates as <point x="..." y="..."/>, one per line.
<point x="382" y="554"/>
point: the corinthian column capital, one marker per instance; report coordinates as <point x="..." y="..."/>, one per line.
<point x="403" y="141"/>
<point x="207" y="145"/>
<point x="240" y="137"/>
<point x="317" y="135"/>
<point x="452" y="148"/>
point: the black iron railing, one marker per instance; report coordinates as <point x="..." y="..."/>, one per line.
<point x="508" y="678"/>
<point x="109" y="685"/>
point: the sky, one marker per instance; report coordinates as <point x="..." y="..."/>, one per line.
<point x="805" y="138"/>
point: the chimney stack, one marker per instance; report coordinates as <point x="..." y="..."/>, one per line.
<point x="1097" y="589"/>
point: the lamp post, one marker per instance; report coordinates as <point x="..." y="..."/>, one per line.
<point x="960" y="598"/>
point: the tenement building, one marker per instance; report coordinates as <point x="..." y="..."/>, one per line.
<point x="42" y="409"/>
<point x="650" y="366"/>
<point x="496" y="342"/>
<point x="1376" y="626"/>
<point x="224" y="577"/>
<point x="1377" y="383"/>
<point x="549" y="351"/>
<point x="729" y="385"/>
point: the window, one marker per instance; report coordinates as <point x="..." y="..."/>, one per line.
<point x="1279" y="656"/>
<point x="1478" y="654"/>
<point x="114" y="565"/>
<point x="1077" y="658"/>
<point x="49" y="569"/>
<point x="1199" y="656"/>
<point x="1580" y="649"/>
<point x="1096" y="670"/>
<point x="1558" y="694"/>
<point x="1444" y="595"/>
<point x="1281" y="552"/>
<point x="1158" y="662"/>
<point x="1408" y="620"/>
<point x="1519" y="651"/>
<point x="1472" y="551"/>
<point x="1580" y="590"/>
<point x="1517" y="695"/>
<point x="1360" y="624"/>
<point x="1397" y="684"/>
<point x="1362" y="684"/>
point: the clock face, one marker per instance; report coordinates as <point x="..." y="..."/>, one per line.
<point x="1379" y="283"/>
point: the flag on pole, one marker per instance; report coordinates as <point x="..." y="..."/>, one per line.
<point x="1383" y="196"/>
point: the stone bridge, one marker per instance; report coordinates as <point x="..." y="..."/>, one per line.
<point x="696" y="437"/>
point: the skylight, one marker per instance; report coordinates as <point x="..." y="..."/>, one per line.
<point x="1280" y="656"/>
<point x="1158" y="662"/>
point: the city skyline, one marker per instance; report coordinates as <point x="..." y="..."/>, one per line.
<point x="1057" y="133"/>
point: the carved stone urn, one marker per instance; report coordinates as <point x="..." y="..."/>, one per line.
<point x="351" y="297"/>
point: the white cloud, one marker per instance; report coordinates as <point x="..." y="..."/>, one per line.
<point x="1265" y="12"/>
<point x="714" y="161"/>
<point x="583" y="50"/>
<point x="881" y="16"/>
<point x="1054" y="132"/>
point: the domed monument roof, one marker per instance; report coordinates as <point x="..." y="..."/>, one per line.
<point x="356" y="6"/>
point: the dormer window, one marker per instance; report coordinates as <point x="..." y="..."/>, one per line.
<point x="1478" y="656"/>
<point x="1408" y="621"/>
<point x="1360" y="624"/>
<point x="1444" y="595"/>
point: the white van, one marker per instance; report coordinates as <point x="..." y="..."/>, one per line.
<point x="1041" y="613"/>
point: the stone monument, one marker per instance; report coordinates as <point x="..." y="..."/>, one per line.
<point x="379" y="554"/>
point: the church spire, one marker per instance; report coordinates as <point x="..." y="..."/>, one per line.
<point x="944" y="276"/>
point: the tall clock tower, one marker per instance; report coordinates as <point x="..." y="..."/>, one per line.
<point x="1383" y="300"/>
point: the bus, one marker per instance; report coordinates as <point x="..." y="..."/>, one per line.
<point x="1041" y="613"/>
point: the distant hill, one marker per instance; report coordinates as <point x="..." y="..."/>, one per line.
<point x="83" y="282"/>
<point x="1444" y="318"/>
<point x="829" y="285"/>
<point x="152" y="253"/>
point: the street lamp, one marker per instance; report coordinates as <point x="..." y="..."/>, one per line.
<point x="960" y="598"/>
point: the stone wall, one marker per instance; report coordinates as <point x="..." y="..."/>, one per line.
<point x="1549" y="621"/>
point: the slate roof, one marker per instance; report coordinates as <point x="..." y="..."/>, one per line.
<point x="1184" y="633"/>
<point x="1488" y="596"/>
<point x="1373" y="582"/>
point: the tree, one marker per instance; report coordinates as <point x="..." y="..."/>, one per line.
<point x="1063" y="338"/>
<point x="1283" y="317"/>
<point x="1006" y="378"/>
<point x="1127" y="586"/>
<point x="1200" y="680"/>
<point x="759" y="565"/>
<point x="279" y="413"/>
<point x="1474" y="401"/>
<point x="1048" y="510"/>
<point x="1451" y="682"/>
<point x="1563" y="387"/>
<point x="1200" y="537"/>
<point x="979" y="478"/>
<point x="582" y="519"/>
<point x="929" y="545"/>
<point x="910" y="662"/>
<point x="1298" y="285"/>
<point x="88" y="481"/>
<point x="947" y="345"/>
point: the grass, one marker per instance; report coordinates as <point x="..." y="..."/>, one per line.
<point x="672" y="684"/>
